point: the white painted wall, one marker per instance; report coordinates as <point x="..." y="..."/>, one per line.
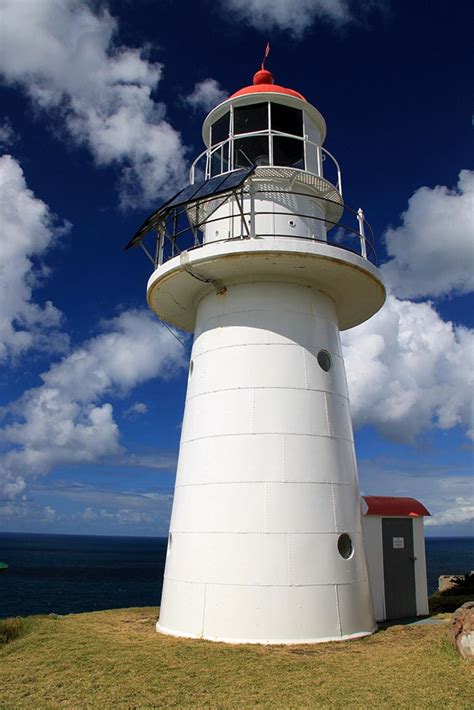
<point x="275" y="214"/>
<point x="420" y="567"/>
<point x="372" y="531"/>
<point x="266" y="478"/>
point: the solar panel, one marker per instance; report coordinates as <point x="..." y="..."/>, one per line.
<point x="209" y="187"/>
<point x="236" y="178"/>
<point x="193" y="193"/>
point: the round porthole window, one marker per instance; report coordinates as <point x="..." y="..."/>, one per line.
<point x="344" y="545"/>
<point x="324" y="360"/>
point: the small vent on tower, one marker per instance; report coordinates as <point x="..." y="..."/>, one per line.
<point x="324" y="360"/>
<point x="344" y="545"/>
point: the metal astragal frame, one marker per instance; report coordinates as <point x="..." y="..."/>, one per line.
<point x="227" y="161"/>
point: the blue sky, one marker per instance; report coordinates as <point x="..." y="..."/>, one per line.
<point x="101" y="113"/>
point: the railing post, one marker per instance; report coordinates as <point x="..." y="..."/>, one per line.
<point x="339" y="180"/>
<point x="252" y="209"/>
<point x="320" y="165"/>
<point x="159" y="247"/>
<point x="360" y="219"/>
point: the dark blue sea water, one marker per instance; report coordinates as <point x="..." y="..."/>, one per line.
<point x="73" y="573"/>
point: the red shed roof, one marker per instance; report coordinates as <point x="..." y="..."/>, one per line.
<point x="388" y="505"/>
<point x="263" y="81"/>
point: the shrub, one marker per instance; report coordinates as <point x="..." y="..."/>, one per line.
<point x="11" y="629"/>
<point x="464" y="584"/>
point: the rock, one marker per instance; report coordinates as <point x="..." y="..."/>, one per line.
<point x="446" y="581"/>
<point x="449" y="581"/>
<point x="461" y="629"/>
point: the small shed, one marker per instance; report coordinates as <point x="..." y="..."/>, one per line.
<point x="395" y="548"/>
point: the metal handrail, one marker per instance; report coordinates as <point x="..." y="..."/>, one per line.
<point x="321" y="154"/>
<point x="176" y="233"/>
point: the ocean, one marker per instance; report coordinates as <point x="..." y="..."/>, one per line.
<point x="66" y="574"/>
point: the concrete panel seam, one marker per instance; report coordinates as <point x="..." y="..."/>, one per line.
<point x="288" y="547"/>
<point x="326" y="410"/>
<point x="334" y="509"/>
<point x="277" y="481"/>
<point x="266" y="586"/>
<point x="305" y="370"/>
<point x="292" y="344"/>
<point x="269" y="387"/>
<point x="338" y="609"/>
<point x="283" y="457"/>
<point x="269" y="433"/>
<point x="287" y="311"/>
<point x="265" y="508"/>
<point x="204" y="610"/>
<point x="177" y="531"/>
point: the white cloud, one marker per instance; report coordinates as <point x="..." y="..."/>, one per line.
<point x="134" y="517"/>
<point x="135" y="410"/>
<point x="11" y="488"/>
<point x="445" y="490"/>
<point x="49" y="514"/>
<point x="296" y="17"/>
<point x="408" y="371"/>
<point x="65" y="57"/>
<point x="206" y="95"/>
<point x="461" y="512"/>
<point x="8" y="137"/>
<point x="29" y="229"/>
<point x="124" y="516"/>
<point x="433" y="249"/>
<point x="64" y="421"/>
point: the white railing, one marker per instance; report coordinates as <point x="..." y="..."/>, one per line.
<point x="175" y="233"/>
<point x="224" y="155"/>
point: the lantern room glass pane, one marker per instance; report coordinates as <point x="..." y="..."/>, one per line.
<point x="251" y="151"/>
<point x="287" y="119"/>
<point x="219" y="162"/>
<point x="220" y="129"/>
<point x="288" y="152"/>
<point x="248" y="119"/>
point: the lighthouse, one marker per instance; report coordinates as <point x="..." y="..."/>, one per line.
<point x="260" y="258"/>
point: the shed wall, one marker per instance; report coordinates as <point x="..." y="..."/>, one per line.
<point x="420" y="567"/>
<point x="372" y="532"/>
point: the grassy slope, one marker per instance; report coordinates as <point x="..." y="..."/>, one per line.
<point x="116" y="659"/>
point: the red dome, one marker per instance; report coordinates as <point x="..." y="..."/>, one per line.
<point x="263" y="82"/>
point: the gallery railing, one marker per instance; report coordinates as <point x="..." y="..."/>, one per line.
<point x="182" y="229"/>
<point x="231" y="154"/>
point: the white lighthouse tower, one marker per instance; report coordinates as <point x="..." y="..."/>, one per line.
<point x="260" y="259"/>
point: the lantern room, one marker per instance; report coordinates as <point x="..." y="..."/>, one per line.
<point x="264" y="124"/>
<point x="275" y="132"/>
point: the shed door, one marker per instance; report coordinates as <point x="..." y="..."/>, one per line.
<point x="399" y="567"/>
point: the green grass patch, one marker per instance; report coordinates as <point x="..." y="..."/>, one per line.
<point x="115" y="659"/>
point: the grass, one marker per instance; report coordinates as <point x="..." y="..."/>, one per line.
<point x="116" y="659"/>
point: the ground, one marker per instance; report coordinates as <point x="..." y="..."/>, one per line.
<point x="116" y="659"/>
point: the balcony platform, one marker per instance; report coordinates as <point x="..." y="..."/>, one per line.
<point x="354" y="284"/>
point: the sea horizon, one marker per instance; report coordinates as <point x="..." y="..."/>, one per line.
<point x="64" y="573"/>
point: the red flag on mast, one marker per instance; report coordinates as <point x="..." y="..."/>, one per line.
<point x="267" y="52"/>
